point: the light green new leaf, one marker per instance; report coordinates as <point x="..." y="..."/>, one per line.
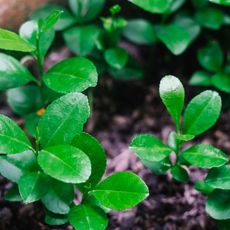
<point x="59" y="197"/>
<point x="218" y="205"/>
<point x="149" y="148"/>
<point x="63" y="119"/>
<point x="205" y="156"/>
<point x="116" y="57"/>
<point x="65" y="163"/>
<point x="71" y="75"/>
<point x="55" y="219"/>
<point x="25" y="100"/>
<point x="179" y="173"/>
<point x="211" y="57"/>
<point x="153" y="6"/>
<point x="12" y="138"/>
<point x="201" y="78"/>
<point x="13" y="166"/>
<point x="202" y="112"/>
<point x="172" y="94"/>
<point x="87" y="217"/>
<point x="221" y="2"/>
<point x="175" y="38"/>
<point x="11" y="41"/>
<point x="12" y="73"/>
<point x="219" y="178"/>
<point x="222" y="81"/>
<point x="140" y="31"/>
<point x="82" y="39"/>
<point x="33" y="186"/>
<point x="94" y="150"/>
<point x="121" y="191"/>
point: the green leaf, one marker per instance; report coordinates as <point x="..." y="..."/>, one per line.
<point x="218" y="205"/>
<point x="180" y="174"/>
<point x="33" y="186"/>
<point x="203" y="187"/>
<point x="59" y="197"/>
<point x="211" y="57"/>
<point x="86" y="10"/>
<point x="201" y="78"/>
<point x="222" y="82"/>
<point x="66" y="19"/>
<point x="12" y="73"/>
<point x="13" y="195"/>
<point x="221" y="2"/>
<point x="210" y="17"/>
<point x="71" y="75"/>
<point x="149" y="148"/>
<point x="153" y="6"/>
<point x="175" y="5"/>
<point x="56" y="125"/>
<point x="29" y="31"/>
<point x="121" y="191"/>
<point x="219" y="178"/>
<point x="50" y="20"/>
<point x="140" y="31"/>
<point x="205" y="156"/>
<point x="160" y="167"/>
<point x="172" y="94"/>
<point x="55" y="219"/>
<point x="81" y="39"/>
<point x="25" y="100"/>
<point x="94" y="150"/>
<point x="175" y="38"/>
<point x="202" y="112"/>
<point x="116" y="57"/>
<point x="12" y="138"/>
<point x="73" y="165"/>
<point x="14" y="166"/>
<point x="87" y="217"/>
<point x="31" y="122"/>
<point x="184" y="137"/>
<point x="11" y="41"/>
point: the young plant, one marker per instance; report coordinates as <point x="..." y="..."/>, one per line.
<point x="27" y="94"/>
<point x="217" y="69"/>
<point x="200" y="114"/>
<point x="63" y="159"/>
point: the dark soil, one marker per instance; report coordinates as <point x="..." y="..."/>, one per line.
<point x="122" y="110"/>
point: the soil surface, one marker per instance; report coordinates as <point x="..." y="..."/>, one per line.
<point x="120" y="111"/>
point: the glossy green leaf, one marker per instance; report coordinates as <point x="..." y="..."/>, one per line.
<point x="73" y="165"/>
<point x="153" y="6"/>
<point x="210" y="17"/>
<point x="184" y="137"/>
<point x="219" y="178"/>
<point x="55" y="219"/>
<point x="12" y="138"/>
<point x="172" y="140"/>
<point x="179" y="173"/>
<point x="94" y="150"/>
<point x="12" y="73"/>
<point x="87" y="217"/>
<point x="172" y="94"/>
<point x="25" y="100"/>
<point x="205" y="156"/>
<point x="33" y="186"/>
<point x="222" y="82"/>
<point x="202" y="112"/>
<point x="11" y="41"/>
<point x="116" y="57"/>
<point x="211" y="57"/>
<point x="13" y="166"/>
<point x="121" y="191"/>
<point x="81" y="39"/>
<point x="59" y="197"/>
<point x="175" y="38"/>
<point x="149" y="148"/>
<point x="218" y="205"/>
<point x="66" y="19"/>
<point x="140" y="31"/>
<point x="86" y="10"/>
<point x="203" y="187"/>
<point x="201" y="78"/>
<point x="221" y="2"/>
<point x="31" y="122"/>
<point x="56" y="125"/>
<point x="71" y="75"/>
<point x="175" y="5"/>
<point x="13" y="194"/>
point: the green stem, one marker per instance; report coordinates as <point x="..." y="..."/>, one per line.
<point x="37" y="140"/>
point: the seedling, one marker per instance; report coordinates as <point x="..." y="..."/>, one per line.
<point x="28" y="95"/>
<point x="200" y="114"/>
<point x="64" y="159"/>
